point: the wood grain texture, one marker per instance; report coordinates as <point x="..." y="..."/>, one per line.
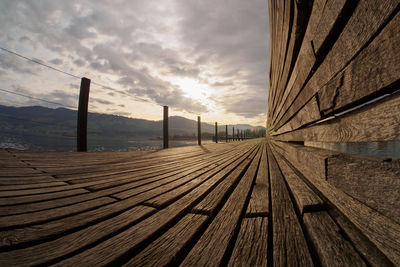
<point x="164" y="250"/>
<point x="309" y="113"/>
<point x="210" y="203"/>
<point x="45" y="252"/>
<point x="259" y="200"/>
<point x="331" y="246"/>
<point x="306" y="200"/>
<point x="323" y="17"/>
<point x="378" y="229"/>
<point x="378" y="121"/>
<point x="290" y="247"/>
<point x="364" y="23"/>
<point x="371" y="182"/>
<point x="251" y="244"/>
<point x="375" y="68"/>
<point x="219" y="234"/>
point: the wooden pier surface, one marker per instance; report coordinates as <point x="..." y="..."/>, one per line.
<point x="238" y="203"/>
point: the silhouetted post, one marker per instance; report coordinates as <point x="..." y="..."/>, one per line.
<point x="238" y="136"/>
<point x="241" y="134"/>
<point x="226" y="133"/>
<point x="165" y="127"/>
<point x="198" y="131"/>
<point x="233" y="133"/>
<point x="83" y="115"/>
<point x="216" y="132"/>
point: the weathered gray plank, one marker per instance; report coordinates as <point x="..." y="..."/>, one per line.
<point x="165" y="249"/>
<point x="378" y="121"/>
<point x="49" y="251"/>
<point x="259" y="200"/>
<point x="289" y="245"/>
<point x="211" y="247"/>
<point x="210" y="203"/>
<point x="305" y="198"/>
<point x="375" y="68"/>
<point x="251" y="244"/>
<point x="331" y="246"/>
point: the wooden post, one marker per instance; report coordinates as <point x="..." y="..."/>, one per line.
<point x="216" y="132"/>
<point x="238" y="137"/>
<point x="165" y="127"/>
<point x="233" y="133"/>
<point x="226" y="133"/>
<point x="83" y="115"/>
<point x="198" y="131"/>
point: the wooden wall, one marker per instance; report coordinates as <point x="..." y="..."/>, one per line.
<point x="335" y="77"/>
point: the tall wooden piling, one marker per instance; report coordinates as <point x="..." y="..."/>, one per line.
<point x="233" y="133"/>
<point x="198" y="131"/>
<point x="165" y="127"/>
<point x="216" y="132"/>
<point x="226" y="133"/>
<point x="83" y="115"/>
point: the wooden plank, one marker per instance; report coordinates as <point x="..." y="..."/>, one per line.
<point x="306" y="200"/>
<point x="127" y="241"/>
<point x="378" y="121"/>
<point x="374" y="183"/>
<point x="312" y="160"/>
<point x="331" y="247"/>
<point x="289" y="247"/>
<point x="322" y="20"/>
<point x="45" y="253"/>
<point x="378" y="229"/>
<point x="52" y="214"/>
<point x="143" y="190"/>
<point x="211" y="247"/>
<point x="251" y="244"/>
<point x="374" y="69"/>
<point x="31" y="186"/>
<point x="363" y="245"/>
<point x="365" y="22"/>
<point x="164" y="199"/>
<point x="210" y="204"/>
<point x="166" y="249"/>
<point x="309" y="113"/>
<point x="259" y="200"/>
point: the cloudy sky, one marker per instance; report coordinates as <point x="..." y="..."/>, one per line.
<point x="207" y="57"/>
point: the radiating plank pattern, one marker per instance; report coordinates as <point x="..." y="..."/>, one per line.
<point x="235" y="204"/>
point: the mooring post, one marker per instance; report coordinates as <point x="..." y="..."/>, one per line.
<point x="198" y="131"/>
<point x="165" y="127"/>
<point x="81" y="131"/>
<point x="226" y="133"/>
<point x="216" y="132"/>
<point x="238" y="137"/>
<point x="233" y="133"/>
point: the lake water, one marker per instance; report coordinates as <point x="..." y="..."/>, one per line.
<point x="97" y="144"/>
<point x="390" y="149"/>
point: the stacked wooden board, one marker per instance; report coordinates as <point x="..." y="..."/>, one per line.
<point x="335" y="77"/>
<point x="235" y="204"/>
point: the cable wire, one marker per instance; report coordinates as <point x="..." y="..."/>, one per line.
<point x="38" y="62"/>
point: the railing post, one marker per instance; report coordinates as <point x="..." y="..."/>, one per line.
<point x="226" y="133"/>
<point x="233" y="133"/>
<point x="198" y="131"/>
<point x="165" y="127"/>
<point x="81" y="131"/>
<point x="216" y="132"/>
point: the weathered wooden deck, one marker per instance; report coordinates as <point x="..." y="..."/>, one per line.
<point x="235" y="203"/>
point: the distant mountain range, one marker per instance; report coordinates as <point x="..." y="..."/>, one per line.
<point x="25" y="123"/>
